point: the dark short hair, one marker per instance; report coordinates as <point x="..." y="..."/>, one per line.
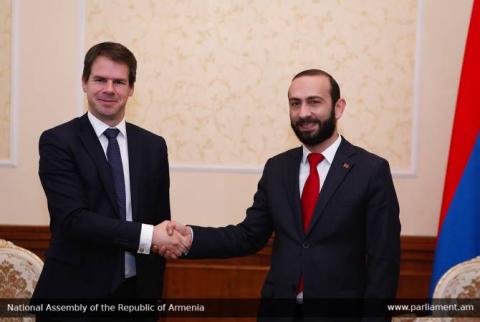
<point x="113" y="51"/>
<point x="334" y="88"/>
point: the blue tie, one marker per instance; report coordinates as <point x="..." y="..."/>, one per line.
<point x="128" y="266"/>
<point x="115" y="161"/>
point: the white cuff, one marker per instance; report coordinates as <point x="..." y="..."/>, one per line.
<point x="146" y="236"/>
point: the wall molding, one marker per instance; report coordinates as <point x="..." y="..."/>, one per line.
<point x="412" y="172"/>
<point x="82" y="25"/>
<point x="244" y="276"/>
<point x="14" y="85"/>
<point x="239" y="169"/>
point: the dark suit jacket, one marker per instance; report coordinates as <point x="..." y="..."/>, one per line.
<point x="352" y="247"/>
<point x="89" y="239"/>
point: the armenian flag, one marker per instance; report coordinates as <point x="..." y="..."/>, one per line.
<point x="459" y="225"/>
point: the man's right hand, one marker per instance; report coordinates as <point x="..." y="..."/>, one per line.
<point x="171" y="239"/>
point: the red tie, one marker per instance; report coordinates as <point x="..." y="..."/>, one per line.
<point x="310" y="195"/>
<point x="311" y="189"/>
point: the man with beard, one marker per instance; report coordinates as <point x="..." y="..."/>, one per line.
<point x="333" y="209"/>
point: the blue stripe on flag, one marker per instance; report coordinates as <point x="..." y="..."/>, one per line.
<point x="459" y="238"/>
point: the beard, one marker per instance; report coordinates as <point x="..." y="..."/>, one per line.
<point x="324" y="132"/>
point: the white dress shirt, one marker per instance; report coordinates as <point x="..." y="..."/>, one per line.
<point x="322" y="168"/>
<point x="147" y="230"/>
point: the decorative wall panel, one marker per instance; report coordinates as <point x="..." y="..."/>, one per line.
<point x="213" y="75"/>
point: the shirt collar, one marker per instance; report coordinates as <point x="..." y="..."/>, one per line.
<point x="328" y="153"/>
<point x="100" y="127"/>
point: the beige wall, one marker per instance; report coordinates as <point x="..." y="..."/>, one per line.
<point x="51" y="37"/>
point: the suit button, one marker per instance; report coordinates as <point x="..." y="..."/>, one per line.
<point x="306" y="245"/>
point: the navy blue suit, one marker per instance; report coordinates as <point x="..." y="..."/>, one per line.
<point x="89" y="238"/>
<point x="352" y="246"/>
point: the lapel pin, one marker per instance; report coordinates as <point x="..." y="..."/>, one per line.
<point x="346" y="165"/>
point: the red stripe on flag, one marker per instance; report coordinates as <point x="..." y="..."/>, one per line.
<point x="466" y="123"/>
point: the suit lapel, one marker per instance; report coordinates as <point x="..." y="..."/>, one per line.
<point x="292" y="169"/>
<point x="134" y="146"/>
<point x="94" y="148"/>
<point x="340" y="167"/>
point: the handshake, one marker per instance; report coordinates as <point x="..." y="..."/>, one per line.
<point x="171" y="239"/>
